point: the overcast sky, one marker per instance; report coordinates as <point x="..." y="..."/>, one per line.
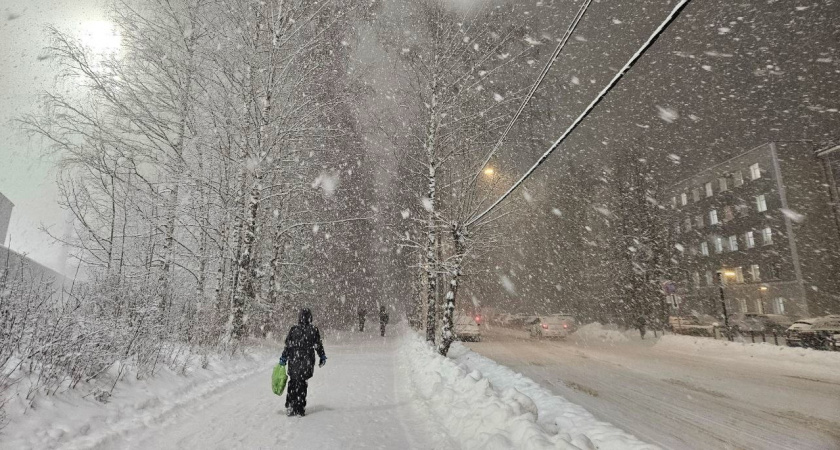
<point x="26" y="177"/>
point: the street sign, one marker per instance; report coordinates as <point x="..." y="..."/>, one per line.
<point x="669" y="287"/>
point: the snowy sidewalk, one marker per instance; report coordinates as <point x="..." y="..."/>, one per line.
<point x="354" y="402"/>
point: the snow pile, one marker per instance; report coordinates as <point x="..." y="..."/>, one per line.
<point x="595" y="332"/>
<point x="501" y="409"/>
<point x="822" y="360"/>
<point x="75" y="419"/>
<point x="566" y="420"/>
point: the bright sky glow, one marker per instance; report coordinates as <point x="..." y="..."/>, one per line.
<point x="101" y="36"/>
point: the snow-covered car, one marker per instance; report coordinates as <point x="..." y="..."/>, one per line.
<point x="467" y="327"/>
<point x="554" y="326"/>
<point x="823" y="333"/>
<point x="691" y="326"/>
<point x="793" y="333"/>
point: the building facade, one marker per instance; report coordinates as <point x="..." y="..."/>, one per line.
<point x="764" y="226"/>
<point x="13" y="264"/>
<point x="5" y="217"/>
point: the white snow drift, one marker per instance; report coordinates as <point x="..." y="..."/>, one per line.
<point x="484" y="405"/>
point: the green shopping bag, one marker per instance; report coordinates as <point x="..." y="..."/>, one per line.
<point x="278" y="379"/>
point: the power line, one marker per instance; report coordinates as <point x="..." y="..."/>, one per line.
<point x="536" y="85"/>
<point x="656" y="33"/>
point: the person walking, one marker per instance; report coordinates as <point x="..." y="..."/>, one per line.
<point x="362" y="316"/>
<point x="640" y="324"/>
<point x="302" y="343"/>
<point x="383" y="320"/>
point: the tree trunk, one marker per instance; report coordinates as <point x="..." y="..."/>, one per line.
<point x="447" y="329"/>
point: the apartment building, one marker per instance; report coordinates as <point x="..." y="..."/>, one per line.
<point x="5" y="217"/>
<point x="12" y="263"/>
<point x="763" y="225"/>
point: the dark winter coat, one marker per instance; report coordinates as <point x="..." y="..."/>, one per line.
<point x="383" y="318"/>
<point x="302" y="343"/>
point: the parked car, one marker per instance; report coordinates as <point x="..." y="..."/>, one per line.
<point x="793" y="334"/>
<point x="467" y="327"/>
<point x="553" y="326"/>
<point x="691" y="326"/>
<point x="759" y="323"/>
<point x="823" y="333"/>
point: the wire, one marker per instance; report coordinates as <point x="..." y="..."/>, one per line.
<point x="539" y="80"/>
<point x="659" y="30"/>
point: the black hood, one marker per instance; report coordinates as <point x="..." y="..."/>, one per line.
<point x="305" y="317"/>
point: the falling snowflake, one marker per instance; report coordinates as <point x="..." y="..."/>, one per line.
<point x="667" y="114"/>
<point x="427" y="204"/>
<point x="793" y="215"/>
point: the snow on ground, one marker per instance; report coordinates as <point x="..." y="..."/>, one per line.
<point x="595" y="332"/>
<point x="74" y="419"/>
<point x="686" y="393"/>
<point x="558" y="419"/>
<point x="819" y="361"/>
<point x="355" y="401"/>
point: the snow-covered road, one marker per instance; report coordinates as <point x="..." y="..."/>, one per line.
<point x="682" y="400"/>
<point x="355" y="401"/>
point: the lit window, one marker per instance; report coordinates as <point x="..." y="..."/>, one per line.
<point x="683" y="199"/>
<point x="733" y="243"/>
<point x="737" y="178"/>
<point x="704" y="248"/>
<point x="759" y="306"/>
<point x="674" y="201"/>
<point x="779" y="305"/>
<point x="718" y="244"/>
<point x="695" y="194"/>
<point x="713" y="220"/>
<point x="749" y="237"/>
<point x="696" y="279"/>
<point x="767" y="236"/>
<point x="761" y="203"/>
<point x="700" y="221"/>
<point x="755" y="172"/>
<point x="709" y="191"/>
<point x="722" y="182"/>
<point x="709" y="280"/>
<point x="739" y="275"/>
<point x="688" y="224"/>
<point x="755" y="273"/>
<point x="742" y="303"/>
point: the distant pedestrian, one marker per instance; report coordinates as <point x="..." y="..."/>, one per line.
<point x="640" y="324"/>
<point x="362" y="315"/>
<point x="383" y="320"/>
<point x="302" y="343"/>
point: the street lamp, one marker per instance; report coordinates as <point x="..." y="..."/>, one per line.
<point x="489" y="171"/>
<point x="761" y="291"/>
<point x="721" y="274"/>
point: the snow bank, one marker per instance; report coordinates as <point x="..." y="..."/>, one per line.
<point x="595" y="332"/>
<point x="74" y="419"/>
<point x="764" y="352"/>
<point x="556" y="415"/>
<point x="484" y="405"/>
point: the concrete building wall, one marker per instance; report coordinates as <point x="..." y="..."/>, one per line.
<point x="797" y="274"/>
<point x="5" y="217"/>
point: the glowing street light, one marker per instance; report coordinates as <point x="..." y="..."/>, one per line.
<point x="489" y="171"/>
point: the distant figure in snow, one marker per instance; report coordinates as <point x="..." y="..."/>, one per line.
<point x="640" y="324"/>
<point x="302" y="343"/>
<point x="383" y="320"/>
<point x="362" y="315"/>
